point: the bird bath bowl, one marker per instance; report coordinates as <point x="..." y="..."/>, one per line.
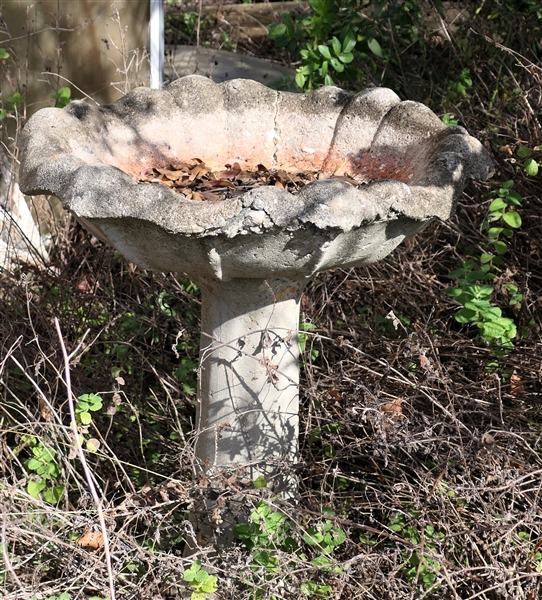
<point x="384" y="169"/>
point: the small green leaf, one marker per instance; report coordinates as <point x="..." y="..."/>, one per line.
<point x="454" y="292"/>
<point x="349" y="43"/>
<point x="524" y="152"/>
<point x="276" y="30"/>
<point x="260" y="482"/>
<point x="337" y="65"/>
<point x="3" y="54"/>
<point x="512" y="219"/>
<point x="485" y="258"/>
<point x="62" y="97"/>
<point x="324" y="68"/>
<point x="15" y="100"/>
<point x="500" y="247"/>
<point x="93" y="445"/>
<point x="324" y="51"/>
<point x="531" y="167"/>
<point x="466" y="315"/>
<point x="497" y="204"/>
<point x="337" y="46"/>
<point x="209" y="585"/>
<point x="85" y="418"/>
<point x="375" y="47"/>
<point x="33" y="464"/>
<point x="34" y="488"/>
<point x="494" y="232"/>
<point x="346" y="58"/>
<point x="514" y="198"/>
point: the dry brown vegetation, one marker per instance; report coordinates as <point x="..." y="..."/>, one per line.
<point x="425" y="441"/>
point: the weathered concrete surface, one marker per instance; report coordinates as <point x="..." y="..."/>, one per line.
<point x="415" y="168"/>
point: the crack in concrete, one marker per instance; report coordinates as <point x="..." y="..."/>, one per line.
<point x="276" y="138"/>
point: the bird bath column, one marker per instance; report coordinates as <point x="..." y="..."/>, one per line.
<point x="248" y="400"/>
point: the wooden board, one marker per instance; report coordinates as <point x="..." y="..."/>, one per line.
<point x="248" y="20"/>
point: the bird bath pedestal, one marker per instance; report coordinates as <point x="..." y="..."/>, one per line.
<point x="385" y="169"/>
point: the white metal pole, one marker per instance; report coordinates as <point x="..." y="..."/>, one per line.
<point x="156" y="42"/>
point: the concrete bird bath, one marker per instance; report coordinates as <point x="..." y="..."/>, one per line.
<point x="251" y="254"/>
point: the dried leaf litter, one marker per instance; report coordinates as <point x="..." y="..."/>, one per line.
<point x="197" y="181"/>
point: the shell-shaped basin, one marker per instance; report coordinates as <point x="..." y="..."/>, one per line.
<point x="407" y="165"/>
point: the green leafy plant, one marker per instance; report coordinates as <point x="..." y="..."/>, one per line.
<point x="449" y="119"/>
<point x="325" y="537"/>
<point x="460" y="87"/>
<point x="303" y="338"/>
<point x="268" y="534"/>
<point x="266" y="531"/>
<point x="318" y="63"/>
<point x="530" y="165"/>
<point x="14" y="101"/>
<point x="62" y="97"/>
<point x="87" y="404"/>
<point x="46" y="470"/>
<point x="474" y="290"/>
<point x="200" y="581"/>
<point x="420" y="567"/>
<point x="338" y="41"/>
<point x="84" y="407"/>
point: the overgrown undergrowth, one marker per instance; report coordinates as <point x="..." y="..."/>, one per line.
<point x="421" y="445"/>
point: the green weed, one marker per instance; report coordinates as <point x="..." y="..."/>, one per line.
<point x="419" y="567"/>
<point x="200" y="581"/>
<point x="62" y="97"/>
<point x="303" y="338"/>
<point x="474" y="289"/>
<point x="45" y="468"/>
